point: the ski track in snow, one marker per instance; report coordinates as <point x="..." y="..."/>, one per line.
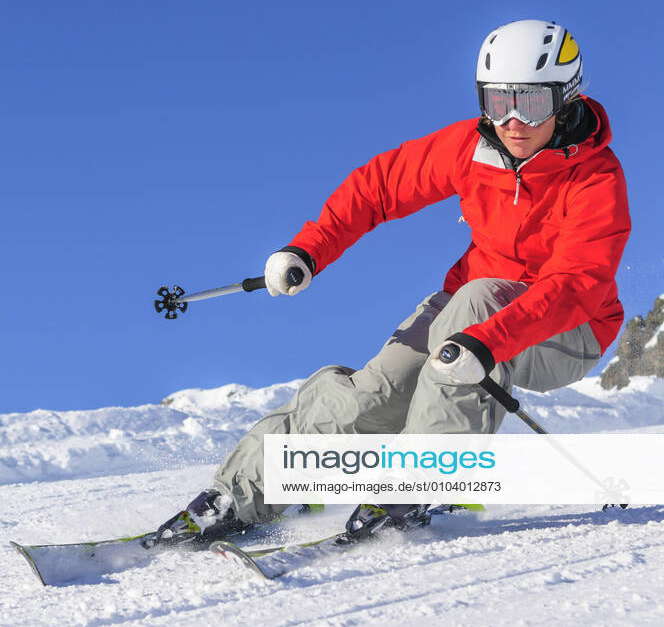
<point x="73" y="476"/>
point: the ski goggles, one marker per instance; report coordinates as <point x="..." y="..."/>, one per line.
<point x="532" y="104"/>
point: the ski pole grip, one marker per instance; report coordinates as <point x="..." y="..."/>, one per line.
<point x="505" y="399"/>
<point x="294" y="276"/>
<point x="249" y="285"/>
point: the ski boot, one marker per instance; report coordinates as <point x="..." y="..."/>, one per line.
<point x="367" y="519"/>
<point x="207" y="518"/>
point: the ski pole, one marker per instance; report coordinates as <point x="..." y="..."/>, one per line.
<point x="512" y="405"/>
<point x="175" y="300"/>
<point x="450" y="352"/>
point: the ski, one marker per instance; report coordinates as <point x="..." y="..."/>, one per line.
<point x="275" y="562"/>
<point x="278" y="561"/>
<point x="58" y="564"/>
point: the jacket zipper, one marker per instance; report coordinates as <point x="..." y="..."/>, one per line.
<point x="518" y="175"/>
<point x="518" y="187"/>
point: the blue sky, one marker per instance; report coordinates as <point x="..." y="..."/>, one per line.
<point x="146" y="143"/>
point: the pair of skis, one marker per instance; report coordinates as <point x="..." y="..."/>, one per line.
<point x="61" y="564"/>
<point x="88" y="562"/>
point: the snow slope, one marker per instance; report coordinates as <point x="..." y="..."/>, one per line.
<point x="77" y="475"/>
<point x="188" y="427"/>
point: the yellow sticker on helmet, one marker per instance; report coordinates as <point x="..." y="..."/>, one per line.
<point x="569" y="50"/>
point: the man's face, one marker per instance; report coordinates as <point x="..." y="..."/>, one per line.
<point x="524" y="141"/>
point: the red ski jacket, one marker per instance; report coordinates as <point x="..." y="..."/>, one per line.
<point x="558" y="223"/>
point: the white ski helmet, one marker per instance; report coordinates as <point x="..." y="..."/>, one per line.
<point x="531" y="51"/>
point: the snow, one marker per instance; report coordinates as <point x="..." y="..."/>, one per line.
<point x="652" y="342"/>
<point x="84" y="475"/>
<point x="189" y="427"/>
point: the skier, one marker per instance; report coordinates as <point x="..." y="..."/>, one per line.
<point x="532" y="302"/>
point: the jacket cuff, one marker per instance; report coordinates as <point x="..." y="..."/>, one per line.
<point x="302" y="254"/>
<point x="477" y="348"/>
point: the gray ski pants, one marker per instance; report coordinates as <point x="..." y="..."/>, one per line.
<point x="397" y="390"/>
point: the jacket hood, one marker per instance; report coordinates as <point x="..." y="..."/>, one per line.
<point x="601" y="137"/>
